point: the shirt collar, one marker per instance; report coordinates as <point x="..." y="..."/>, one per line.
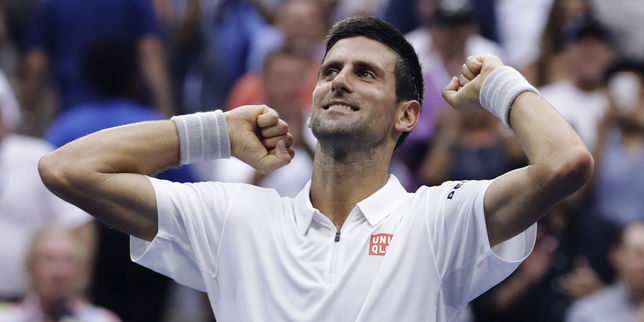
<point x="304" y="208"/>
<point x="375" y="207"/>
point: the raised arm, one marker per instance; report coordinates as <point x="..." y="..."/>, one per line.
<point x="560" y="163"/>
<point x="104" y="173"/>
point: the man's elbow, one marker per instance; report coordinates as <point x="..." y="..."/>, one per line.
<point x="53" y="172"/>
<point x="575" y="168"/>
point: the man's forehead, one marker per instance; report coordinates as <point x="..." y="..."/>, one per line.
<point x="361" y="48"/>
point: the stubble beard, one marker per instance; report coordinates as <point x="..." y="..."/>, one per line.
<point x="344" y="142"/>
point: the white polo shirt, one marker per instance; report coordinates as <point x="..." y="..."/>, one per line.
<point x="399" y="256"/>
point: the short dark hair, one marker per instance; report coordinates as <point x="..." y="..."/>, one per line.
<point x="409" y="78"/>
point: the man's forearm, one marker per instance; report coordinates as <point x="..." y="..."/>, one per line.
<point x="559" y="165"/>
<point x="548" y="140"/>
<point x="143" y="148"/>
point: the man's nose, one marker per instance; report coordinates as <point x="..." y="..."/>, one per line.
<point x="342" y="81"/>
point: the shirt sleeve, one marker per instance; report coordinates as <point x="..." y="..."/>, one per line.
<point x="191" y="218"/>
<point x="467" y="265"/>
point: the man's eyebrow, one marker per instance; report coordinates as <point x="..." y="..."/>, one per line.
<point x="362" y="65"/>
<point x="328" y="64"/>
<point x="331" y="63"/>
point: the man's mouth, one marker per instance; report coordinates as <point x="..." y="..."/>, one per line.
<point x="340" y="106"/>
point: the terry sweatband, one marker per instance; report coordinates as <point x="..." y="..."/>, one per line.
<point x="202" y="136"/>
<point x="500" y="89"/>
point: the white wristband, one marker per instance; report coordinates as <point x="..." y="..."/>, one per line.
<point x="202" y="136"/>
<point x="500" y="89"/>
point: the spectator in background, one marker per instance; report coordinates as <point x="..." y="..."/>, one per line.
<point x="283" y="83"/>
<point x="300" y="29"/>
<point x="300" y="26"/>
<point x="13" y="20"/>
<point x="519" y="24"/>
<point x="625" y="20"/>
<point x="618" y="185"/>
<point x="9" y="107"/>
<point x="550" y="65"/>
<point x="403" y="14"/>
<point x="352" y="8"/>
<point x="581" y="99"/>
<point x="406" y="16"/>
<point x="111" y="68"/>
<point x="471" y="146"/>
<point x="448" y="36"/>
<point x="218" y="52"/>
<point x="56" y="265"/>
<point x="621" y="300"/>
<point x="25" y="204"/>
<point x="57" y="37"/>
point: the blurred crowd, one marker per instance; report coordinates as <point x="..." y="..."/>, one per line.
<point x="72" y="67"/>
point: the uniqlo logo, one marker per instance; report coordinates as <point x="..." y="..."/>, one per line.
<point x="378" y="244"/>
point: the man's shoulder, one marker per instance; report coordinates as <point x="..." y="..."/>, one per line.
<point x="449" y="198"/>
<point x="449" y="190"/>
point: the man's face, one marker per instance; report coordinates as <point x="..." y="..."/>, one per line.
<point x="55" y="267"/>
<point x="355" y="97"/>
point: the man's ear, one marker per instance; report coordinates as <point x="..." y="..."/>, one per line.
<point x="408" y="115"/>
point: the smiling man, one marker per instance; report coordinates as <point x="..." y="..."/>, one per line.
<point x="353" y="245"/>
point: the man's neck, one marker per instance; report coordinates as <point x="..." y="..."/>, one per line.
<point x="337" y="186"/>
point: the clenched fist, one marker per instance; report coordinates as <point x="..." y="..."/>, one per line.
<point x="462" y="92"/>
<point x="259" y="137"/>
